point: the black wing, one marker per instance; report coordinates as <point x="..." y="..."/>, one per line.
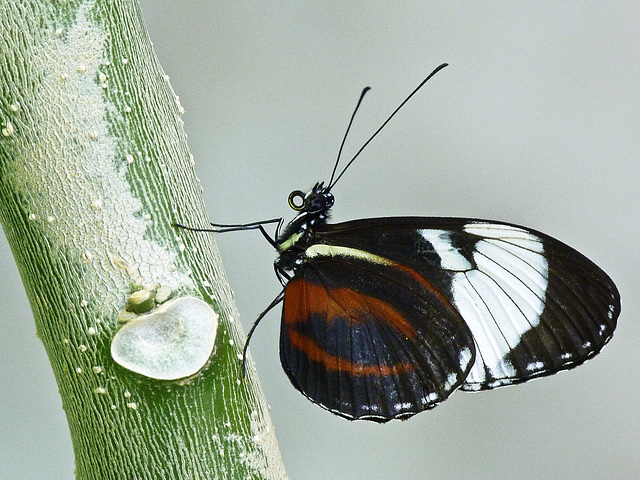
<point x="534" y="305"/>
<point x="367" y="338"/>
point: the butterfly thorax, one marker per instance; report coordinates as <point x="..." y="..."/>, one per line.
<point x="295" y="238"/>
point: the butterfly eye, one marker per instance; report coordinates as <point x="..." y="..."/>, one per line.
<point x="296" y="200"/>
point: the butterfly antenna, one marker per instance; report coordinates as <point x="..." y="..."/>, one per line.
<point x="333" y="182"/>
<point x="344" y="139"/>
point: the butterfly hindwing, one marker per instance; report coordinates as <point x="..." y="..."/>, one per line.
<point x="366" y="337"/>
<point x="534" y="305"/>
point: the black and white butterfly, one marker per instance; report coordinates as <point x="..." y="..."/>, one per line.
<point x="386" y="317"/>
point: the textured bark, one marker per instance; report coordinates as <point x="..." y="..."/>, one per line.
<point x="94" y="168"/>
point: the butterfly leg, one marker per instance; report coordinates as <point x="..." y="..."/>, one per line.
<point x="283" y="276"/>
<point x="275" y="302"/>
<point x="222" y="228"/>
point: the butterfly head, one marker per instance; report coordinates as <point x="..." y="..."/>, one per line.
<point x="316" y="201"/>
<point x="313" y="210"/>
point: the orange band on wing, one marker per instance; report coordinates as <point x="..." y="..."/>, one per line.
<point x="427" y="285"/>
<point x="335" y="363"/>
<point x="304" y="299"/>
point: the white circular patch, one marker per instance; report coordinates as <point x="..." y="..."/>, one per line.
<point x="174" y="341"/>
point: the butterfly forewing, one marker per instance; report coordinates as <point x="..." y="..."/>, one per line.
<point x="533" y="304"/>
<point x="367" y="337"/>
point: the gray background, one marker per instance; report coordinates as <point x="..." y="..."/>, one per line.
<point x="535" y="122"/>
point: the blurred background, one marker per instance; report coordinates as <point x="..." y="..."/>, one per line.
<point x="536" y="121"/>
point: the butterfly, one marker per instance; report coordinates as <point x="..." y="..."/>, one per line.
<point x="386" y="317"/>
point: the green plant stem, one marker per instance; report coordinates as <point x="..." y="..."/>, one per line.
<point x="94" y="169"/>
